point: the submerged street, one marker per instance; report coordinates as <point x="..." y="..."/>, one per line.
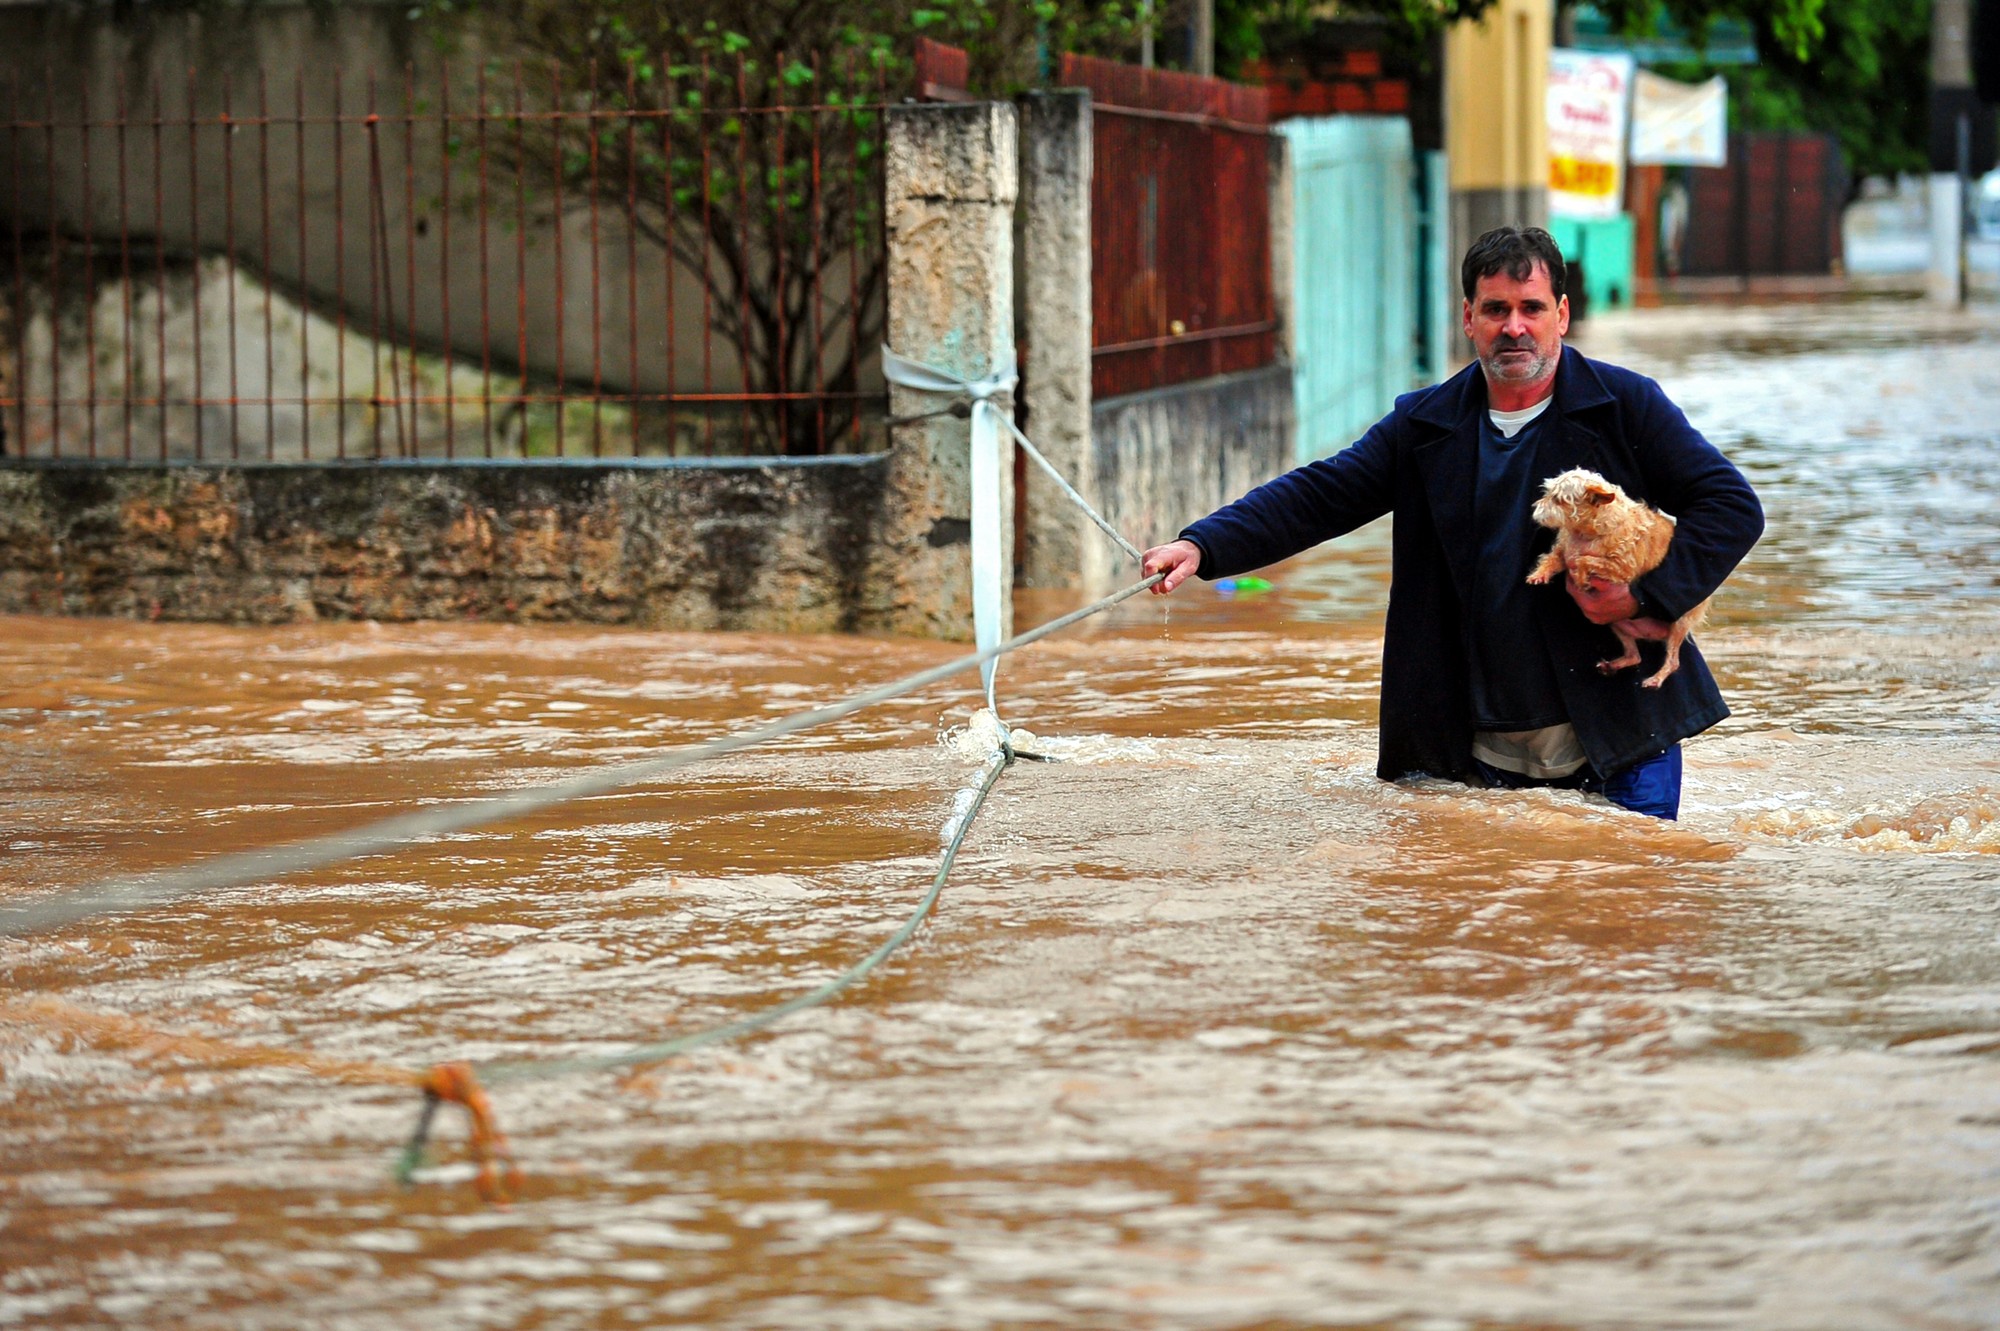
<point x="1211" y="1027"/>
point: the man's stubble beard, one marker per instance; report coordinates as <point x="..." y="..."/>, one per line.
<point x="1526" y="372"/>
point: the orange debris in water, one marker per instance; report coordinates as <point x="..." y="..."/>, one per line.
<point x="499" y="1176"/>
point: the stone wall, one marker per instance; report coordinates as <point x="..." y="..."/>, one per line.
<point x="797" y="544"/>
<point x="1166" y="457"/>
<point x="777" y="546"/>
<point x="876" y="544"/>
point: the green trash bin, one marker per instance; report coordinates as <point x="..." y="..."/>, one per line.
<point x="1603" y="246"/>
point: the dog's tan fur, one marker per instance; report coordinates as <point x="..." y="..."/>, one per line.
<point x="1604" y="535"/>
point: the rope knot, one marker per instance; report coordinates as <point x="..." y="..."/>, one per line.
<point x="908" y="373"/>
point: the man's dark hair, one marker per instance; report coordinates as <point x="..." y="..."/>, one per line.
<point x="1514" y="250"/>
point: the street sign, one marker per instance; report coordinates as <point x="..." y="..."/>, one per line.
<point x="1587" y="100"/>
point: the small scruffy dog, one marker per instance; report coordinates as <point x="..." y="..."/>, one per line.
<point x="1603" y="534"/>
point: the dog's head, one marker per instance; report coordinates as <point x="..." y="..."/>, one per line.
<point x="1575" y="499"/>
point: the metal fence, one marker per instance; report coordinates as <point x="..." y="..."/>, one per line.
<point x="494" y="262"/>
<point x="1355" y="264"/>
<point x="1180" y="226"/>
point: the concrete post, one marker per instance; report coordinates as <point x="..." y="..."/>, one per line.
<point x="1951" y="80"/>
<point x="1059" y="545"/>
<point x="1945" y="283"/>
<point x="1202" y="38"/>
<point x="1282" y="193"/>
<point x="952" y="176"/>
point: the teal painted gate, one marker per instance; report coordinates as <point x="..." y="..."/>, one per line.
<point x="1357" y="265"/>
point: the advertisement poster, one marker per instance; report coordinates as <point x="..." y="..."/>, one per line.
<point x="1679" y="124"/>
<point x="1589" y="93"/>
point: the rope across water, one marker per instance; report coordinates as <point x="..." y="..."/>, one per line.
<point x="244" y="868"/>
<point x="460" y="1082"/>
<point x="512" y="1070"/>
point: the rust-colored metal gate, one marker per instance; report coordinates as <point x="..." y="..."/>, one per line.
<point x="1180" y="226"/>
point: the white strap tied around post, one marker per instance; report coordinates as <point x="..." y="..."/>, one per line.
<point x="987" y="421"/>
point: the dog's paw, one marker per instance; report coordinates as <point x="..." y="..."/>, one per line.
<point x="1614" y="666"/>
<point x="1539" y="579"/>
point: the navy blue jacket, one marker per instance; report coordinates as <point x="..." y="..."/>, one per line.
<point x="1420" y="462"/>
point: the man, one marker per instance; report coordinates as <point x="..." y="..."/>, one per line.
<point x="1486" y="679"/>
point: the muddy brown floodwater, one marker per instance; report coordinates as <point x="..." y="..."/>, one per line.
<point x="1211" y="1029"/>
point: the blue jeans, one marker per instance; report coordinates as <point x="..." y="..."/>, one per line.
<point x="1651" y="785"/>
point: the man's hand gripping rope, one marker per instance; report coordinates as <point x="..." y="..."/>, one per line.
<point x="1172" y="564"/>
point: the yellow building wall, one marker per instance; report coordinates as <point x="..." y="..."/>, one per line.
<point x="1496" y="93"/>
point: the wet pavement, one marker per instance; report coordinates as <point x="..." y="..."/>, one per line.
<point x="1212" y="1028"/>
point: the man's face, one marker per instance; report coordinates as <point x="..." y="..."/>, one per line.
<point x="1516" y="327"/>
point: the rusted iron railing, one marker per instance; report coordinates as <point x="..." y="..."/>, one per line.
<point x="1180" y="226"/>
<point x="492" y="262"/>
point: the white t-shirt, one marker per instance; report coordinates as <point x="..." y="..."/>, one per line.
<point x="1510" y="423"/>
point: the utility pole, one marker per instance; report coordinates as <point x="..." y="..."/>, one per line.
<point x="1203" y="37"/>
<point x="1961" y="142"/>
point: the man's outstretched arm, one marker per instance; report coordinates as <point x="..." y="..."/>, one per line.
<point x="1295" y="512"/>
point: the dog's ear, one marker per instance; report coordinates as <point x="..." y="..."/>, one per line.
<point x="1598" y="495"/>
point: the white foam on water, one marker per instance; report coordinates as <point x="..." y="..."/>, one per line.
<point x="1235" y="1037"/>
<point x="1966" y="822"/>
<point x="759" y="887"/>
<point x="1090" y="750"/>
<point x="977" y="740"/>
<point x="980" y="738"/>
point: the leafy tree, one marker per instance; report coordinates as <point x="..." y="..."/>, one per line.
<point x="747" y="188"/>
<point x="1795" y="25"/>
<point x="1859" y="68"/>
<point x="1865" y="77"/>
